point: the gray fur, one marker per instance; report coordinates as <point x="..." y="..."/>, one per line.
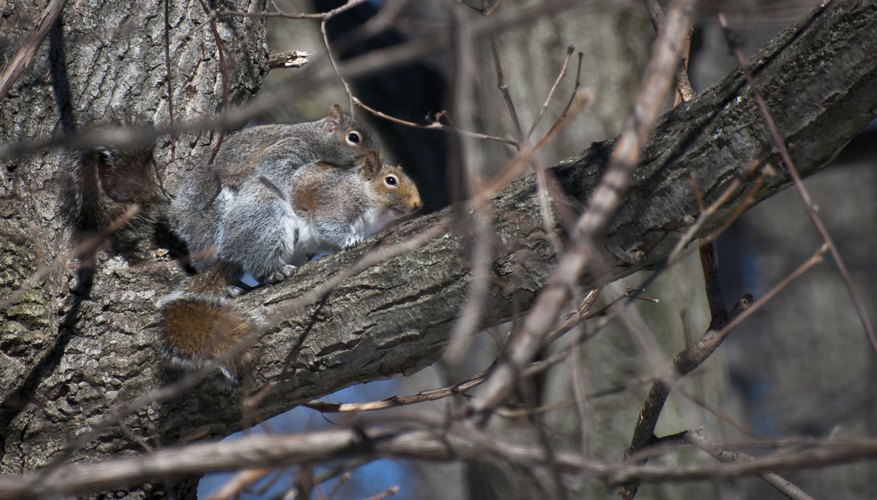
<point x="224" y="211"/>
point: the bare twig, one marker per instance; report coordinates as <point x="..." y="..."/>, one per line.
<point x="710" y="210"/>
<point x="25" y="54"/>
<point x="488" y="11"/>
<point x="810" y="206"/>
<point x="473" y="168"/>
<point x="238" y="482"/>
<point x="334" y="64"/>
<point x="781" y="484"/>
<point x="169" y="76"/>
<point x="435" y="125"/>
<point x="223" y="71"/>
<point x="517" y="165"/>
<point x="504" y="91"/>
<point x="287" y="15"/>
<point x="684" y="91"/>
<point x="692" y="357"/>
<point x="547" y="185"/>
<point x="441" y="444"/>
<point x="392" y="490"/>
<point x="396" y="401"/>
<point x="563" y="70"/>
<point x="578" y="388"/>
<point x="603" y="204"/>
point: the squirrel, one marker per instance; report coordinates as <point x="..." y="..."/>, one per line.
<point x="274" y="196"/>
<point x="324" y="209"/>
<point x="231" y="211"/>
<point x="99" y="184"/>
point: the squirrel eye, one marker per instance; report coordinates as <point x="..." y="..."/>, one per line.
<point x="391" y="180"/>
<point x="354" y="137"/>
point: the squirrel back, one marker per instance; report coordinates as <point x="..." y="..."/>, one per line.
<point x="346" y="206"/>
<point x="338" y="206"/>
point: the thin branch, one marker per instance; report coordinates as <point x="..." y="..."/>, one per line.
<point x="684" y="91"/>
<point x="603" y="204"/>
<point x="504" y="92"/>
<point x="546" y="183"/>
<point x="563" y="70"/>
<point x="397" y="401"/>
<point x="223" y="71"/>
<point x="440" y="444"/>
<point x="781" y="484"/>
<point x="488" y="11"/>
<point x="692" y="357"/>
<point x="238" y="482"/>
<point x="286" y="15"/>
<point x="742" y="428"/>
<point x="435" y="125"/>
<point x="392" y="490"/>
<point x="578" y="388"/>
<point x="28" y="50"/>
<point x="169" y="76"/>
<point x="812" y="211"/>
<point x="517" y="165"/>
<point x="482" y="229"/>
<point x="706" y="213"/>
<point x="334" y="64"/>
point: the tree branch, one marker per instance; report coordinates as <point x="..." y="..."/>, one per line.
<point x="395" y="317"/>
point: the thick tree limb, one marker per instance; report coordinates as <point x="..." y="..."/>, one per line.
<point x="394" y="317"/>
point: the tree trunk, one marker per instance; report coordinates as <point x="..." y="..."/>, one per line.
<point x="62" y="373"/>
<point x="76" y="346"/>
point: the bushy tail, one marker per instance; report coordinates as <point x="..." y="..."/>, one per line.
<point x="98" y="184"/>
<point x="200" y="323"/>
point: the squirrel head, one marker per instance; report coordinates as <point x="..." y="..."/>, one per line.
<point x="351" y="139"/>
<point x="394" y="190"/>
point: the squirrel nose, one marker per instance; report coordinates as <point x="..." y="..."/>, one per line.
<point x="416" y="204"/>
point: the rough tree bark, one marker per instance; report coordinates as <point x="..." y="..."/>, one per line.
<point x="61" y="371"/>
<point x="62" y="374"/>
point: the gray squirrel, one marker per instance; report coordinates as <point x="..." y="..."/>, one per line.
<point x="326" y="209"/>
<point x="229" y="212"/>
<point x="274" y="196"/>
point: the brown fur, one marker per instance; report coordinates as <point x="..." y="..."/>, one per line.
<point x="200" y="327"/>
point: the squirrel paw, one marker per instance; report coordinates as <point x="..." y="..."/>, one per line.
<point x="232" y="291"/>
<point x="280" y="275"/>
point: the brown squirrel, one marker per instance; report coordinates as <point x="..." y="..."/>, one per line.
<point x="275" y="195"/>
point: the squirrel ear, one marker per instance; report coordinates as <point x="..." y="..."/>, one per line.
<point x="371" y="165"/>
<point x="334" y="119"/>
